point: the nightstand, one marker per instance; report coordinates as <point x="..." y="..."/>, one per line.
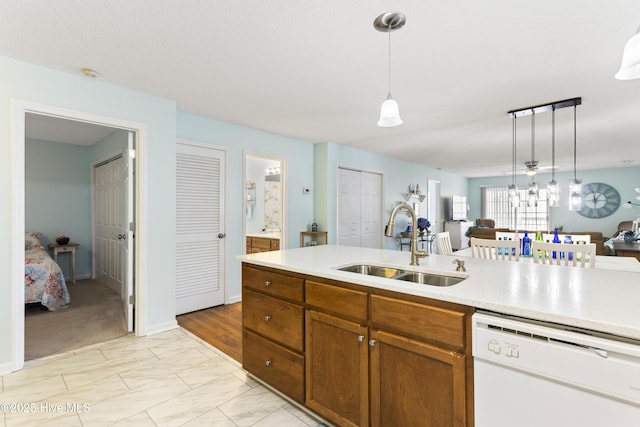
<point x="69" y="248"/>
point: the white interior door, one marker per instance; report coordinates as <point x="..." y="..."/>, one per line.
<point x="109" y="223"/>
<point x="200" y="173"/>
<point x="127" y="233"/>
<point x="359" y="208"/>
<point x="349" y="207"/>
<point x="371" y="211"/>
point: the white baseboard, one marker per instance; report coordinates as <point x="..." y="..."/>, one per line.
<point x="234" y="299"/>
<point x="6" y="368"/>
<point x="163" y="327"/>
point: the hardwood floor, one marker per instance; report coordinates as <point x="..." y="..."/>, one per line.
<point x="220" y="326"/>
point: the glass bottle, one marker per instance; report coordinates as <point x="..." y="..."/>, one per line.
<point x="526" y="245"/>
<point x="314" y="226"/>
<point x="568" y="241"/>
<point x="556" y="239"/>
<point x="539" y="239"/>
<point x="516" y="236"/>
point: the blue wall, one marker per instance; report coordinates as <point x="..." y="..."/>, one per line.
<point x="237" y="141"/>
<point x="58" y="192"/>
<point x="397" y="176"/>
<point x="622" y="179"/>
<point x="42" y="86"/>
<point x="58" y="197"/>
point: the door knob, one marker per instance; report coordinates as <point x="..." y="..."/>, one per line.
<point x="221" y="235"/>
<point x="122" y="236"/>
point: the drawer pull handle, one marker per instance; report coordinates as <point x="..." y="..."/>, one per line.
<point x="372" y="343"/>
<point x="267" y="283"/>
<point x="268" y="363"/>
<point x="267" y="318"/>
<point x="360" y="338"/>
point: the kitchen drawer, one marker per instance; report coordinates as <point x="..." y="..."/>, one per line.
<point x="274" y="318"/>
<point x="273" y="283"/>
<point x="275" y="245"/>
<point x="277" y="366"/>
<point x="261" y="243"/>
<point x="431" y="323"/>
<point x="336" y="299"/>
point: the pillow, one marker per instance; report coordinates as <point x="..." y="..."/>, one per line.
<point x="32" y="240"/>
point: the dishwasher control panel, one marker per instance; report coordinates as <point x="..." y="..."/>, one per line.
<point x="593" y="363"/>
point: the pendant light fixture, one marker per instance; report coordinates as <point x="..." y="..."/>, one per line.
<point x="630" y="67"/>
<point x="553" y="190"/>
<point x="514" y="194"/>
<point x="386" y="23"/>
<point x="575" y="185"/>
<point x="532" y="165"/>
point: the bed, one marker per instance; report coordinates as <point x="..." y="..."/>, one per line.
<point x="43" y="279"/>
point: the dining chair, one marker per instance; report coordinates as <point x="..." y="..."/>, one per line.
<point x="443" y="243"/>
<point x="564" y="254"/>
<point x="495" y="249"/>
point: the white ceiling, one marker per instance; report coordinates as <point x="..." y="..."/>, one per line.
<point x="317" y="71"/>
<point x="54" y="129"/>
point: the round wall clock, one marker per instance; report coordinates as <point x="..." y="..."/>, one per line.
<point x="599" y="200"/>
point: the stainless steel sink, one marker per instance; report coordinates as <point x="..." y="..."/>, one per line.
<point x="429" y="278"/>
<point x="373" y="270"/>
<point x="418" y="277"/>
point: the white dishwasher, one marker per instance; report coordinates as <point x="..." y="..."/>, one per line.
<point x="529" y="373"/>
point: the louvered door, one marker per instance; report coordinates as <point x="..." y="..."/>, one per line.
<point x="200" y="187"/>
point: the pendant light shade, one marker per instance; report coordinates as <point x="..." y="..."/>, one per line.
<point x="514" y="194"/>
<point x="575" y="194"/>
<point x="389" y="113"/>
<point x="553" y="194"/>
<point x="553" y="190"/>
<point x="575" y="185"/>
<point x="630" y="67"/>
<point x="532" y="195"/>
<point x="386" y="23"/>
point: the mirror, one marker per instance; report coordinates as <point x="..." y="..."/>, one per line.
<point x="263" y="202"/>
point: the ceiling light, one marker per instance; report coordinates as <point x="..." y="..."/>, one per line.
<point x="575" y="185"/>
<point x="89" y="72"/>
<point x="514" y="194"/>
<point x="386" y="23"/>
<point x="575" y="192"/>
<point x="630" y="67"/>
<point x="532" y="195"/>
<point x="553" y="190"/>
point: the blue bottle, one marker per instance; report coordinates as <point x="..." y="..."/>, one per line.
<point x="568" y="241"/>
<point x="556" y="239"/>
<point x="526" y="245"/>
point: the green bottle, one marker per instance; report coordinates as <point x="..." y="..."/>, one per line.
<point x="539" y="239"/>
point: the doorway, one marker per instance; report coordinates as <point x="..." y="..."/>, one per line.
<point x="264" y="201"/>
<point x="21" y="113"/>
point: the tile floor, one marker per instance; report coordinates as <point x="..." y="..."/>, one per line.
<point x="167" y="379"/>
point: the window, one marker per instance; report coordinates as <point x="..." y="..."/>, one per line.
<point x="496" y="205"/>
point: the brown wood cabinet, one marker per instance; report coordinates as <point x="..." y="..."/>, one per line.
<point x="370" y="357"/>
<point x="261" y="244"/>
<point x="273" y="322"/>
<point x="337" y="371"/>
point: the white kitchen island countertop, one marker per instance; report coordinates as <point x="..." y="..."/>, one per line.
<point x="601" y="300"/>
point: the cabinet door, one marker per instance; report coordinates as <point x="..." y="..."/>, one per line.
<point x="415" y="384"/>
<point x="337" y="369"/>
